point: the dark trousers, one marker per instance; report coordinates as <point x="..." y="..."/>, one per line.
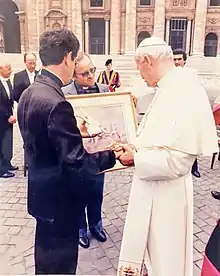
<point x="7" y="146"/>
<point x="56" y="247"/>
<point x="195" y="166"/>
<point x="94" y="205"/>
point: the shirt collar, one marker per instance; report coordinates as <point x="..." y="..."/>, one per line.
<point x="3" y="79"/>
<point x="51" y="75"/>
<point x="30" y="73"/>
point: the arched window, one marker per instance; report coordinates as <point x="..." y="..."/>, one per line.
<point x="211" y="45"/>
<point x="11" y="27"/>
<point x="141" y="36"/>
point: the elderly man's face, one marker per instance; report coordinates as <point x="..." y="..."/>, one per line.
<point x="148" y="70"/>
<point x="31" y="62"/>
<point x="85" y="72"/>
<point x="5" y="71"/>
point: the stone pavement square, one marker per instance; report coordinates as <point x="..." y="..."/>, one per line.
<point x="17" y="227"/>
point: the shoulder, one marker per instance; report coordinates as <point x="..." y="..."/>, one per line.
<point x="103" y="87"/>
<point x="69" y="89"/>
<point x="20" y="73"/>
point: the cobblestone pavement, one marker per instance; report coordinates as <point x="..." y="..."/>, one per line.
<point x="17" y="227"/>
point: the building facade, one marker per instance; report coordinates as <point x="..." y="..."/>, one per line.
<point x="113" y="26"/>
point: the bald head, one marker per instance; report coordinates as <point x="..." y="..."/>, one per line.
<point x="30" y="61"/>
<point x="5" y="70"/>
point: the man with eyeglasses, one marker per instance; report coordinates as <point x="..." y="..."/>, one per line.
<point x="84" y="83"/>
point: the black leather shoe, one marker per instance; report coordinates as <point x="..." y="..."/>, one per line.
<point x="196" y="174"/>
<point x="99" y="235"/>
<point x="7" y="175"/>
<point x="13" y="168"/>
<point x="216" y="194"/>
<point x="84" y="242"/>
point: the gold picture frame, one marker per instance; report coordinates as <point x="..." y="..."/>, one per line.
<point x="113" y="113"/>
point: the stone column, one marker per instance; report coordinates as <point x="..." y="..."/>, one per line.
<point x="2" y="44"/>
<point x="107" y="35"/>
<point x="159" y="15"/>
<point x="167" y="30"/>
<point x="115" y="27"/>
<point x="199" y="28"/>
<point x="188" y="36"/>
<point x="130" y="23"/>
<point x="77" y="22"/>
<point x="32" y="25"/>
<point x="86" y="34"/>
<point x="21" y="17"/>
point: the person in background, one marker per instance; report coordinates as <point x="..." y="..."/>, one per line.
<point x="25" y="77"/>
<point x="58" y="165"/>
<point x="180" y="58"/>
<point x="109" y="77"/>
<point x="84" y="83"/>
<point x="7" y="120"/>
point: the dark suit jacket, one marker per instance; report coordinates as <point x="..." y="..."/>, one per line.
<point x="21" y="82"/>
<point x="6" y="108"/>
<point x="58" y="165"/>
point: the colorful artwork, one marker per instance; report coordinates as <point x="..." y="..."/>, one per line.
<point x="110" y="118"/>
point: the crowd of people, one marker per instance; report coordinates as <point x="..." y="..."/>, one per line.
<point x="65" y="183"/>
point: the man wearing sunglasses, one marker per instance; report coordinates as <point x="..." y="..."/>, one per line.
<point x="84" y="83"/>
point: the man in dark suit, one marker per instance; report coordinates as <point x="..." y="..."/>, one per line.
<point x="7" y="119"/>
<point x="58" y="165"/>
<point x="84" y="83"/>
<point x="25" y="77"/>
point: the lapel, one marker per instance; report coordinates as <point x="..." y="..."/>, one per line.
<point x="5" y="94"/>
<point x="26" y="78"/>
<point x="49" y="82"/>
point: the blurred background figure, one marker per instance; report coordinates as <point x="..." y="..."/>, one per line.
<point x="7" y="119"/>
<point x="109" y="76"/>
<point x="25" y="77"/>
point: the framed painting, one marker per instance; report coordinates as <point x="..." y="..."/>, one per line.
<point x="110" y="117"/>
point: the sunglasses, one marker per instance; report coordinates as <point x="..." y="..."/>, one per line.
<point x="87" y="73"/>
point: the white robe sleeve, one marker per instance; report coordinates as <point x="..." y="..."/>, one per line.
<point x="162" y="164"/>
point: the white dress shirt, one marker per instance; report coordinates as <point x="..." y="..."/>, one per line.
<point x="31" y="76"/>
<point x="5" y="84"/>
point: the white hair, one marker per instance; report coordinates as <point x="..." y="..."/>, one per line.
<point x="154" y="47"/>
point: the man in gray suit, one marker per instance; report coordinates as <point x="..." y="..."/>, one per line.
<point x="84" y="83"/>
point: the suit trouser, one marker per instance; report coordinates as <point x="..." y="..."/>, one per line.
<point x="7" y="146"/>
<point x="195" y="166"/>
<point x="94" y="205"/>
<point x="2" y="170"/>
<point x="56" y="247"/>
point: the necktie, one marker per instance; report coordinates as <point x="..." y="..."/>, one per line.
<point x="10" y="88"/>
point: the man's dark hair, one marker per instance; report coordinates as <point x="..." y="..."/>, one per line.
<point x="108" y="61"/>
<point x="25" y="56"/>
<point x="180" y="52"/>
<point x="55" y="45"/>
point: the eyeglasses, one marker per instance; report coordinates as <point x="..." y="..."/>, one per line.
<point x="87" y="73"/>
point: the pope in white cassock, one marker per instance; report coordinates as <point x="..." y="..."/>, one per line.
<point x="177" y="127"/>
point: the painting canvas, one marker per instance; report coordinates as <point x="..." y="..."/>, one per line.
<point x="110" y="116"/>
